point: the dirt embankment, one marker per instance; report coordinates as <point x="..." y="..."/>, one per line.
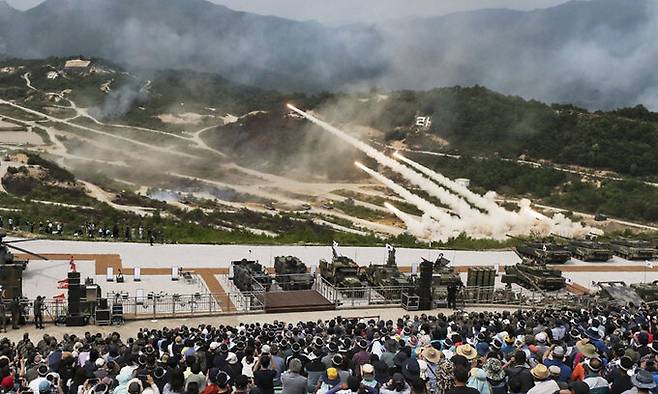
<point x="277" y="143"/>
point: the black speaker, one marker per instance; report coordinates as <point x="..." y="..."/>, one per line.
<point x="102" y="303"/>
<point x="76" y="321"/>
<point x="74" y="278"/>
<point x="102" y="314"/>
<point x="424" y="287"/>
<point x="74" y="309"/>
<point x="75" y="293"/>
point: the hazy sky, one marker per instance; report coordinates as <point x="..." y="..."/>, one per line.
<point x="346" y="11"/>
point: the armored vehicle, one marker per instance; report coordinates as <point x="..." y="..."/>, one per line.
<point x="534" y="276"/>
<point x="589" y="250"/>
<point x="544" y="252"/>
<point x="647" y="291"/>
<point x="250" y="276"/>
<point x="291" y="273"/>
<point x="618" y="292"/>
<point x="342" y="272"/>
<point x="443" y="274"/>
<point x="387" y="278"/>
<point x="11" y="269"/>
<point x="633" y="249"/>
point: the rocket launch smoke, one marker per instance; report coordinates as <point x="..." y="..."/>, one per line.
<point x="454" y="202"/>
<point x="422" y="204"/>
<point x="471" y="197"/>
<point x="495" y="223"/>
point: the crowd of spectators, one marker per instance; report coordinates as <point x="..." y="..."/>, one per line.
<point x="599" y="351"/>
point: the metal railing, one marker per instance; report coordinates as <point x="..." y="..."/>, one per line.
<point x="160" y="305"/>
<point x="346" y="297"/>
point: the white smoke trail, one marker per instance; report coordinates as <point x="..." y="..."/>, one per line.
<point x="444" y="218"/>
<point x="455" y="203"/>
<point x="473" y="198"/>
<point x="414" y="227"/>
<point x="496" y="224"/>
<point x="500" y="221"/>
<point x="442" y="230"/>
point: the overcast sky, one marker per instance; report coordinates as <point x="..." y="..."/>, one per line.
<point x="347" y="11"/>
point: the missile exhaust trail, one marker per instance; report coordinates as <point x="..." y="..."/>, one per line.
<point x="455" y="202"/>
<point x="414" y="226"/>
<point x="419" y="202"/>
<point x="463" y="191"/>
<point x="474" y="223"/>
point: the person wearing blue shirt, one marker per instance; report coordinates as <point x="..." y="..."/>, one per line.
<point x="555" y="356"/>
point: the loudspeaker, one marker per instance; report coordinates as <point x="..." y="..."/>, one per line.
<point x="76" y="321"/>
<point x="74" y="309"/>
<point x="102" y="303"/>
<point x="102" y="314"/>
<point x="424" y="287"/>
<point x="74" y="278"/>
<point x="75" y="293"/>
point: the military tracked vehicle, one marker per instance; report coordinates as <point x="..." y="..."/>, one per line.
<point x="443" y="274"/>
<point x="544" y="252"/>
<point x="342" y="272"/>
<point x="633" y="249"/>
<point x="387" y="278"/>
<point x="291" y="273"/>
<point x="533" y="276"/>
<point x="617" y="292"/>
<point x="11" y="269"/>
<point x="250" y="276"/>
<point x="647" y="291"/>
<point x="590" y="250"/>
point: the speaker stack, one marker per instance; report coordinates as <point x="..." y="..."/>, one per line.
<point x="424" y="286"/>
<point x="75" y="317"/>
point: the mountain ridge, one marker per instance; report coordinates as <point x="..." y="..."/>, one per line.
<point x="565" y="53"/>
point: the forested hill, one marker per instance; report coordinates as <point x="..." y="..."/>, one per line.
<point x="478" y="121"/>
<point x="474" y="121"/>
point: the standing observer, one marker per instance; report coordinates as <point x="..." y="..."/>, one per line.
<point x="38" y="312"/>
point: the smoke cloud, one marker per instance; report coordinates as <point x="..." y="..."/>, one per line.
<point x="598" y="53"/>
<point x="497" y="223"/>
<point x="118" y="102"/>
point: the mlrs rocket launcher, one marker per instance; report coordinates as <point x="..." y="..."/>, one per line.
<point x="543" y="251"/>
<point x="588" y="250"/>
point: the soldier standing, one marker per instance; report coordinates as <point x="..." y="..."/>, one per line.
<point x="15" y="308"/>
<point x="3" y="312"/>
<point x="452" y="295"/>
<point x="38" y="312"/>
